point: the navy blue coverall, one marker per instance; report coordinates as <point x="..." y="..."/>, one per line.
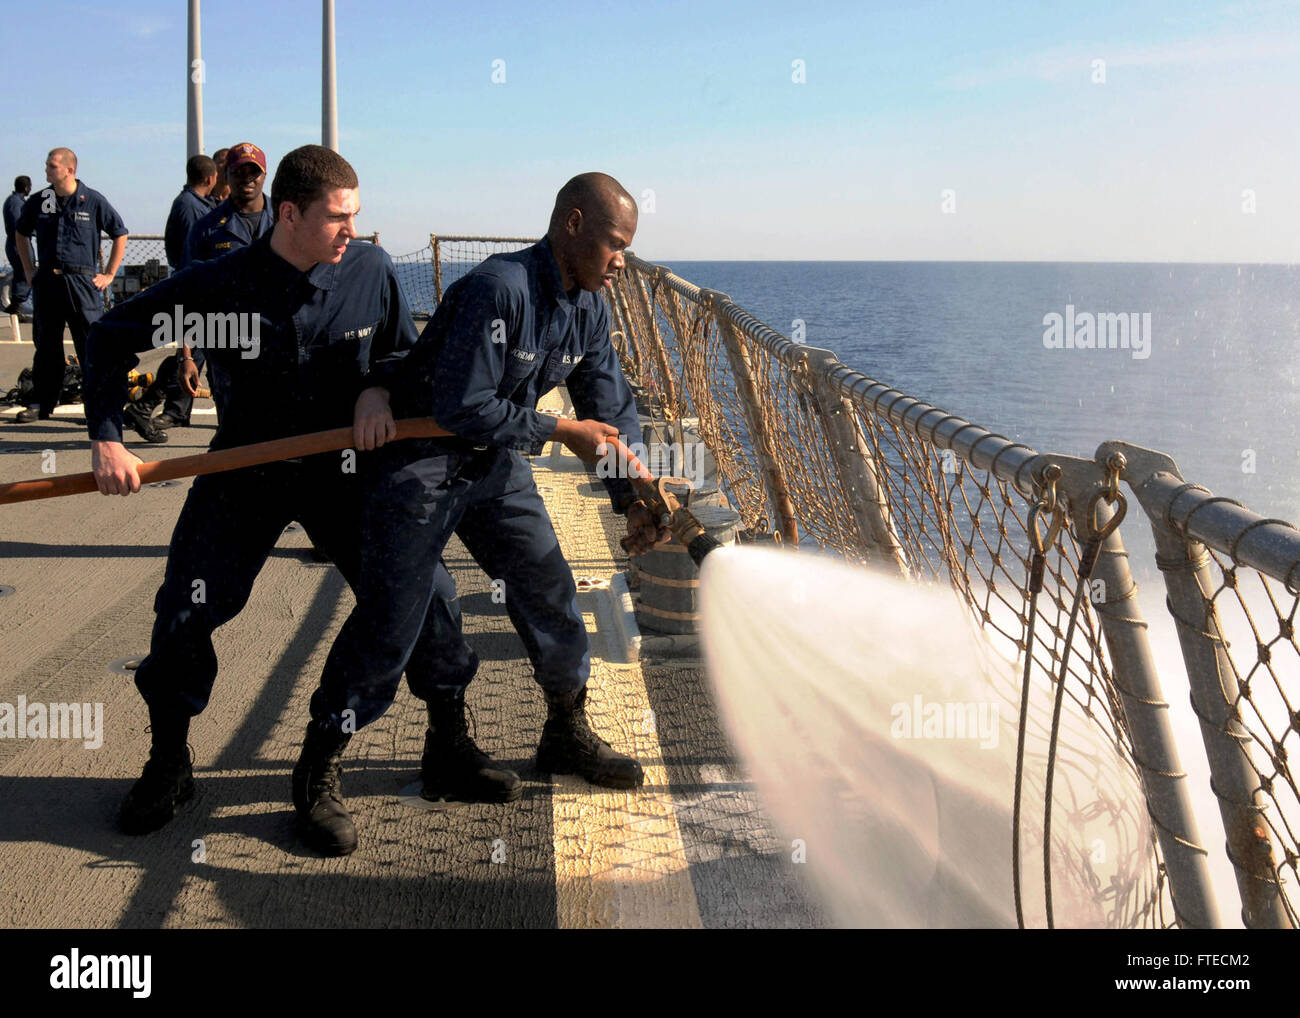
<point x="187" y="209"/>
<point x="216" y="232"/>
<point x="19" y="287"/>
<point x="223" y="230"/>
<point x="503" y="336"/>
<point x="63" y="293"/>
<point x="318" y="334"/>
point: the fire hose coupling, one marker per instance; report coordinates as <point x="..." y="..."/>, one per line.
<point x="667" y="507"/>
<point x="685" y="527"/>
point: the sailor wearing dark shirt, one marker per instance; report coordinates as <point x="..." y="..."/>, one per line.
<point x="295" y="320"/>
<point x="234" y="223"/>
<point x="505" y="334"/>
<point x="241" y="218"/>
<point x="189" y="207"/>
<point x="66" y="219"/>
<point x="19" y="287"/>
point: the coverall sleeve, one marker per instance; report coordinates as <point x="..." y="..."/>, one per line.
<point x="192" y="252"/>
<point x="395" y="338"/>
<point x="27" y="218"/>
<point x="186" y="216"/>
<point x="600" y="391"/>
<point x="110" y="222"/>
<point x="471" y="364"/>
<point x="114" y="340"/>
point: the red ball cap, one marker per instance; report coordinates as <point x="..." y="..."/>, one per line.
<point x="245" y="152"/>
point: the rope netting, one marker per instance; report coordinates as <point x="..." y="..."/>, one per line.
<point x="453" y="256"/>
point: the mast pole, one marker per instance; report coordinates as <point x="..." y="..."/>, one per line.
<point x="195" y="74"/>
<point x="329" y="116"/>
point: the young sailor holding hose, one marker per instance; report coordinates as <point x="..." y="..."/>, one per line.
<point x="294" y="320"/>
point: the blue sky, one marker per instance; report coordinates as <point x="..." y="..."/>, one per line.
<point x="993" y="105"/>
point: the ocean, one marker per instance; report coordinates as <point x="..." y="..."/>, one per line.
<point x="1216" y="389"/>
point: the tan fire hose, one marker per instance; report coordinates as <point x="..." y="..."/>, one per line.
<point x="215" y="462"/>
<point x="663" y="505"/>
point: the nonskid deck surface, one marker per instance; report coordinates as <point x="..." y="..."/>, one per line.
<point x="692" y="848"/>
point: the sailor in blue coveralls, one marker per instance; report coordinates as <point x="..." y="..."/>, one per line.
<point x="19" y="288"/>
<point x="191" y="205"/>
<point x="295" y="320"/>
<point x="234" y="223"/>
<point x="505" y="334"/>
<point x="67" y="288"/>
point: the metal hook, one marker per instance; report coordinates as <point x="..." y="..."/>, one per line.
<point x="1121" y="504"/>
<point x="1053" y="530"/>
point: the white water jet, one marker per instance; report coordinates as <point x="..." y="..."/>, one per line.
<point x="881" y="731"/>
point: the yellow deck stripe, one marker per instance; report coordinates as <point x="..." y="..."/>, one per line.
<point x="619" y="858"/>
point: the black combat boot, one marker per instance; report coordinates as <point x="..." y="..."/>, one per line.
<point x="569" y="746"/>
<point x="143" y="425"/>
<point x="151" y="399"/>
<point x="167" y="419"/>
<point x="318" y="790"/>
<point x="167" y="780"/>
<point x="453" y="767"/>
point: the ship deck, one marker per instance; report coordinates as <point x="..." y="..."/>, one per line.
<point x="692" y="848"/>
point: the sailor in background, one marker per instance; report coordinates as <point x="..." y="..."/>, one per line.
<point x="19" y="287"/>
<point x="242" y="217"/>
<point x="325" y="308"/>
<point x="505" y="334"/>
<point x="191" y="205"/>
<point x="236" y="222"/>
<point x="66" y="218"/>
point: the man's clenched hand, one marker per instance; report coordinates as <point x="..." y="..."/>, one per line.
<point x="585" y="439"/>
<point x="644" y="532"/>
<point x="116" y="470"/>
<point x="372" y="421"/>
